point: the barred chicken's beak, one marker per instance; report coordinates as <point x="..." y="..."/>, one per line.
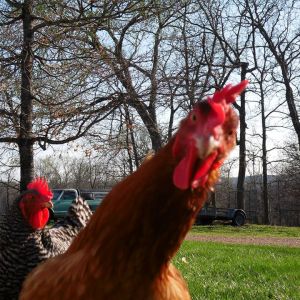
<point x="48" y="204"/>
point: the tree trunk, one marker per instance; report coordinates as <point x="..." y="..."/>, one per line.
<point x="149" y="120"/>
<point x="130" y="141"/>
<point x="291" y="104"/>
<point x="213" y="199"/>
<point x="264" y="159"/>
<point x="25" y="142"/>
<point x="242" y="145"/>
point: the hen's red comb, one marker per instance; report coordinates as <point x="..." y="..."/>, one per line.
<point x="221" y="99"/>
<point x="41" y="186"/>
<point x="229" y="93"/>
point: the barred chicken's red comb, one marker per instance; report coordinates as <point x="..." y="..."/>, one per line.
<point x="41" y="186"/>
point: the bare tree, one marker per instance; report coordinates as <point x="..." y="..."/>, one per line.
<point x="277" y="22"/>
<point x="290" y="170"/>
<point x="263" y="81"/>
<point x="52" y="100"/>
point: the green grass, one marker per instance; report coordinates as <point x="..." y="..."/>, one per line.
<point x="218" y="271"/>
<point x="247" y="230"/>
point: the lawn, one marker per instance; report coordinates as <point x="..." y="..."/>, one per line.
<point x="220" y="271"/>
<point x="247" y="230"/>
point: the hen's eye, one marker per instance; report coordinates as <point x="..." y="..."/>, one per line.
<point x="193" y="117"/>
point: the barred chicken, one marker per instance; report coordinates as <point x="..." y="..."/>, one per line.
<point x="25" y="241"/>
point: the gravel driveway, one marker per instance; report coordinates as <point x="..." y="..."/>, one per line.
<point x="280" y="241"/>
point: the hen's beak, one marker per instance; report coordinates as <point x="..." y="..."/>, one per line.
<point x="48" y="204"/>
<point x="206" y="145"/>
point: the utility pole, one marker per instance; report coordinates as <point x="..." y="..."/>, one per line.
<point x="242" y="143"/>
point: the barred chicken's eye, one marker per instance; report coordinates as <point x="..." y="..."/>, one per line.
<point x="193" y="117"/>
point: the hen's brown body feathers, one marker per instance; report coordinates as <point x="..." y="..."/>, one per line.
<point x="128" y="243"/>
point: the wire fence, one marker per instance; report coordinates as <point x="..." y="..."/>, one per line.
<point x="283" y="197"/>
<point x="283" y="202"/>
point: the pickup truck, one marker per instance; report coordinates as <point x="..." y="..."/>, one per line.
<point x="208" y="214"/>
<point x="62" y="199"/>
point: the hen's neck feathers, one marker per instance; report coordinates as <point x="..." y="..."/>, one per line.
<point x="142" y="221"/>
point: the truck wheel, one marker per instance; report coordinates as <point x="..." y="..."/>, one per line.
<point x="204" y="221"/>
<point x="207" y="222"/>
<point x="238" y="219"/>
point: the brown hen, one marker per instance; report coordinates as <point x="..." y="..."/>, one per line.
<point x="126" y="249"/>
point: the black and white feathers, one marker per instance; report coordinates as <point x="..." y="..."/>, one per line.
<point x="23" y="248"/>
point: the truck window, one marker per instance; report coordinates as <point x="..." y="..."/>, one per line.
<point x="56" y="194"/>
<point x="68" y="195"/>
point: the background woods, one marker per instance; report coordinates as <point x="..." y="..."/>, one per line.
<point x="109" y="81"/>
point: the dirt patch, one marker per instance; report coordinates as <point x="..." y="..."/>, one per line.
<point x="280" y="241"/>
